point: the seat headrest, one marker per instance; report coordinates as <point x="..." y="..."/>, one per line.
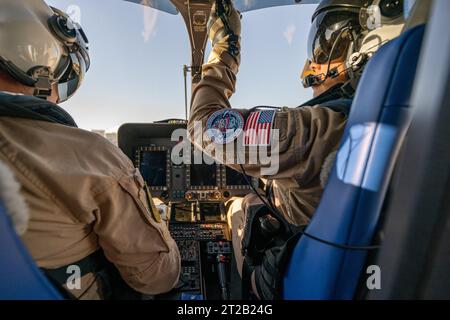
<point x="420" y="14"/>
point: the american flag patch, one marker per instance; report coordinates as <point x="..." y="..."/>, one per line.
<point x="258" y="128"/>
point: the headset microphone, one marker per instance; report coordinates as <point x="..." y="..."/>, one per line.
<point x="317" y="80"/>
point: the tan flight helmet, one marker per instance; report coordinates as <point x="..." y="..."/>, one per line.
<point x="41" y="46"/>
<point x="351" y="31"/>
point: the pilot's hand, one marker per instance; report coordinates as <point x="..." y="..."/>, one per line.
<point x="266" y="278"/>
<point x="224" y="27"/>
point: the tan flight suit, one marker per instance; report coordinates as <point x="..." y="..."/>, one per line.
<point x="308" y="136"/>
<point x="85" y="194"/>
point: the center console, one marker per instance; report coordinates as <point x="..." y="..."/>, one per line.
<point x="195" y="194"/>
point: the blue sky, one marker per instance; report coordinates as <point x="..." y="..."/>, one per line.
<point x="138" y="54"/>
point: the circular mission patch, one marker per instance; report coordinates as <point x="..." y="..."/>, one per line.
<point x="224" y="126"/>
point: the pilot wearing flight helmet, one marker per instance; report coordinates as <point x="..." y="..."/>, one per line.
<point x="343" y="37"/>
<point x="88" y="205"/>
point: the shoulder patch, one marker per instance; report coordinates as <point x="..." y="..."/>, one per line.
<point x="224" y="126"/>
<point x="258" y="128"/>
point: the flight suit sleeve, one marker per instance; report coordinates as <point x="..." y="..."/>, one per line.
<point x="133" y="240"/>
<point x="306" y="136"/>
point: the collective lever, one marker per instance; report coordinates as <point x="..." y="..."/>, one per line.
<point x="222" y="261"/>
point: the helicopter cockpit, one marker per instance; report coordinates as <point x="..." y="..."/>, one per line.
<point x="193" y="195"/>
<point x="357" y="229"/>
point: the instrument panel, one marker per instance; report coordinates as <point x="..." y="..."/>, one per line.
<point x="152" y="148"/>
<point x="195" y="193"/>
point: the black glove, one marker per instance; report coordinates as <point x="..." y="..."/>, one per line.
<point x="224" y="27"/>
<point x="270" y="273"/>
<point x="268" y="276"/>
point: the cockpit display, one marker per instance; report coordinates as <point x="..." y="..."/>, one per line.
<point x="235" y="178"/>
<point x="203" y="175"/>
<point x="153" y="166"/>
<point x="211" y="211"/>
<point x="183" y="212"/>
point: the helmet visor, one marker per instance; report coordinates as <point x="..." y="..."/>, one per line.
<point x="73" y="78"/>
<point x="330" y="37"/>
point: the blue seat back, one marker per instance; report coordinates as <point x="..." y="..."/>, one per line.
<point x="20" y="278"/>
<point x="350" y="208"/>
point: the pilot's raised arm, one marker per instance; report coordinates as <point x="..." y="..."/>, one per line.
<point x="294" y="148"/>
<point x="300" y="138"/>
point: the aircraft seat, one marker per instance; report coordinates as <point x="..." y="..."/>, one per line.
<point x="351" y="205"/>
<point x="20" y="277"/>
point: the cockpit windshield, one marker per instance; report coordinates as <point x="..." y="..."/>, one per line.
<point x="241" y="5"/>
<point x="138" y="54"/>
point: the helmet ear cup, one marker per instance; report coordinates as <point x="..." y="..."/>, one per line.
<point x="62" y="27"/>
<point x="391" y="9"/>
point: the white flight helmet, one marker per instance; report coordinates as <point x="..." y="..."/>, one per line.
<point x="41" y="46"/>
<point x="351" y="30"/>
<point x="382" y="21"/>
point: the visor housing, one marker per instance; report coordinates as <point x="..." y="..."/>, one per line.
<point x="330" y="36"/>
